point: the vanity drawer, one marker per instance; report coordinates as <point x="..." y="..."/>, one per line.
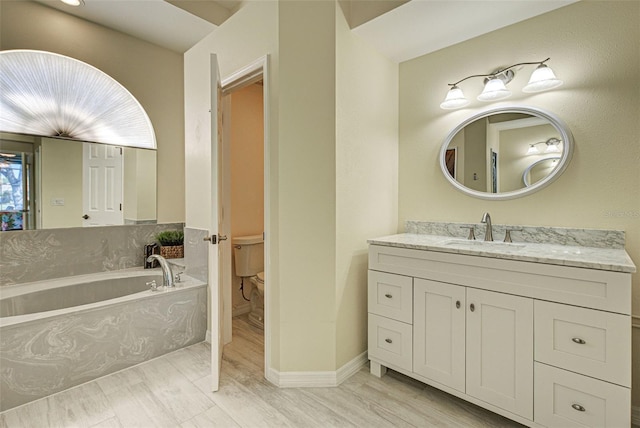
<point x="391" y="296"/>
<point x="565" y="399"/>
<point x="390" y="341"/>
<point x="586" y="341"/>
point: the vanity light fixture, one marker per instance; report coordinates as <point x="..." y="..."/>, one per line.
<point x="542" y="79"/>
<point x="73" y="2"/>
<point x="552" y="144"/>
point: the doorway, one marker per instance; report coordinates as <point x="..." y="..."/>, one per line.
<point x="245" y="188"/>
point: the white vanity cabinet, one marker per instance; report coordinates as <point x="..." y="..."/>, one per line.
<point x="540" y="344"/>
<point x="475" y="341"/>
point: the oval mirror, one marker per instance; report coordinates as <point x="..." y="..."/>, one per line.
<point x="493" y="154"/>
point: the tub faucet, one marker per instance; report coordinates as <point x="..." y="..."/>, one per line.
<point x="488" y="234"/>
<point x="167" y="273"/>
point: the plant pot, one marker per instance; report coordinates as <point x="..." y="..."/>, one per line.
<point x="172" y="252"/>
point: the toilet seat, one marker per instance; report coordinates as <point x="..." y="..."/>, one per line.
<point x="258" y="282"/>
<point x="256" y="316"/>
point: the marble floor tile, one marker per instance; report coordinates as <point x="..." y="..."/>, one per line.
<point x="215" y="417"/>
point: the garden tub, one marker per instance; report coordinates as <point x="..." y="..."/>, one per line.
<point x="56" y="334"/>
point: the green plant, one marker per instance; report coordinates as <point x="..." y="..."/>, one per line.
<point x="170" y="238"/>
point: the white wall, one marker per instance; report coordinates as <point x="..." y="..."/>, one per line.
<point x="594" y="48"/>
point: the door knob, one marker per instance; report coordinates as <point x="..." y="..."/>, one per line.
<point x="214" y="239"/>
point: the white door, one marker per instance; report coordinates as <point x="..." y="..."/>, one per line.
<point x="217" y="241"/>
<point x="439" y="332"/>
<point x="102" y="185"/>
<point x="500" y="350"/>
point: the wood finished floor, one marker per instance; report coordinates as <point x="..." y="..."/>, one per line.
<point x="173" y="391"/>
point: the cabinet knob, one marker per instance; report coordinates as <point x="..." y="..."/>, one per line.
<point x="578" y="341"/>
<point x="578" y="408"/>
<point x="388" y="296"/>
<point x="457" y="304"/>
<point x="388" y="340"/>
<point x="472" y="307"/>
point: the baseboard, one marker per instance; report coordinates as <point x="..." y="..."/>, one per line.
<point x="635" y="415"/>
<point x="316" y="379"/>
<point x="241" y="309"/>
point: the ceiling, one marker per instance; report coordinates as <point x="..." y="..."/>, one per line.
<point x="422" y="26"/>
<point x="410" y="30"/>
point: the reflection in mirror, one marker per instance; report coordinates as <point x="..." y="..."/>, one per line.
<point x="538" y="170"/>
<point x="56" y="183"/>
<point x="486" y="155"/>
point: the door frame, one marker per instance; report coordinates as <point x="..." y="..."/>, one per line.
<point x="251" y="73"/>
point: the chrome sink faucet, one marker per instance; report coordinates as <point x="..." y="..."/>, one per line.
<point x="488" y="234"/>
<point x="167" y="273"/>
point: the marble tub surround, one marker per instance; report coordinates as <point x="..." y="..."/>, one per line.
<point x="47" y="352"/>
<point x="34" y="255"/>
<point x="594" y="238"/>
<point x="616" y="260"/>
<point x="196" y="251"/>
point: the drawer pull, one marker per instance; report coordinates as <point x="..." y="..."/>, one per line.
<point x="388" y="340"/>
<point x="578" y="408"/>
<point x="472" y="307"/>
<point x="578" y="341"/>
<point x="388" y="296"/>
<point x="457" y="304"/>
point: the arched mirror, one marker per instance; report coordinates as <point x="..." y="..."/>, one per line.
<point x="76" y="147"/>
<point x="504" y="153"/>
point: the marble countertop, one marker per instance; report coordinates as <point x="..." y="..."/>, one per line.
<point x="616" y="260"/>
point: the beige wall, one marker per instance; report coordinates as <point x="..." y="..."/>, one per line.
<point x="328" y="143"/>
<point x="594" y="48"/>
<point x="153" y="75"/>
<point x="247" y="171"/>
<point x="61" y="168"/>
<point x="248" y="35"/>
<point x="307" y="182"/>
<point x="140" y="185"/>
<point x="366" y="176"/>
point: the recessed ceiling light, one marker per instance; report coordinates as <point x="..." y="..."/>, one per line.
<point x="73" y="2"/>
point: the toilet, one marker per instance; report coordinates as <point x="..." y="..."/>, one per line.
<point x="248" y="252"/>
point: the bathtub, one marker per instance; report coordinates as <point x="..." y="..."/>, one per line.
<point x="56" y="334"/>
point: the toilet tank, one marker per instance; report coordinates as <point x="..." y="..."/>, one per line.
<point x="248" y="252"/>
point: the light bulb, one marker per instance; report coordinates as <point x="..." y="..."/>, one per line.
<point x="455" y="99"/>
<point x="494" y="90"/>
<point x="542" y="79"/>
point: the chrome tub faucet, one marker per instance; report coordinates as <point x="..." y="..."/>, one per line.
<point x="167" y="273"/>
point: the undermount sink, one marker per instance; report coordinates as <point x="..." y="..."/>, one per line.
<point x="484" y="244"/>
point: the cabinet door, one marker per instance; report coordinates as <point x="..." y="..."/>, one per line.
<point x="500" y="350"/>
<point x="438" y="332"/>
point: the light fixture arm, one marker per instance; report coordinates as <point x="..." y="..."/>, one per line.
<point x="497" y="72"/>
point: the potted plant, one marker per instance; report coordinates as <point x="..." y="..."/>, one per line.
<point x="171" y="244"/>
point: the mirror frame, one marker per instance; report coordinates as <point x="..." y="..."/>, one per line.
<point x="559" y="124"/>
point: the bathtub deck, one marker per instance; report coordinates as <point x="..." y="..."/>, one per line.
<point x="173" y="391"/>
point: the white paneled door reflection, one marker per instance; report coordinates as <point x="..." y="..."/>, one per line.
<point x="102" y="185"/>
